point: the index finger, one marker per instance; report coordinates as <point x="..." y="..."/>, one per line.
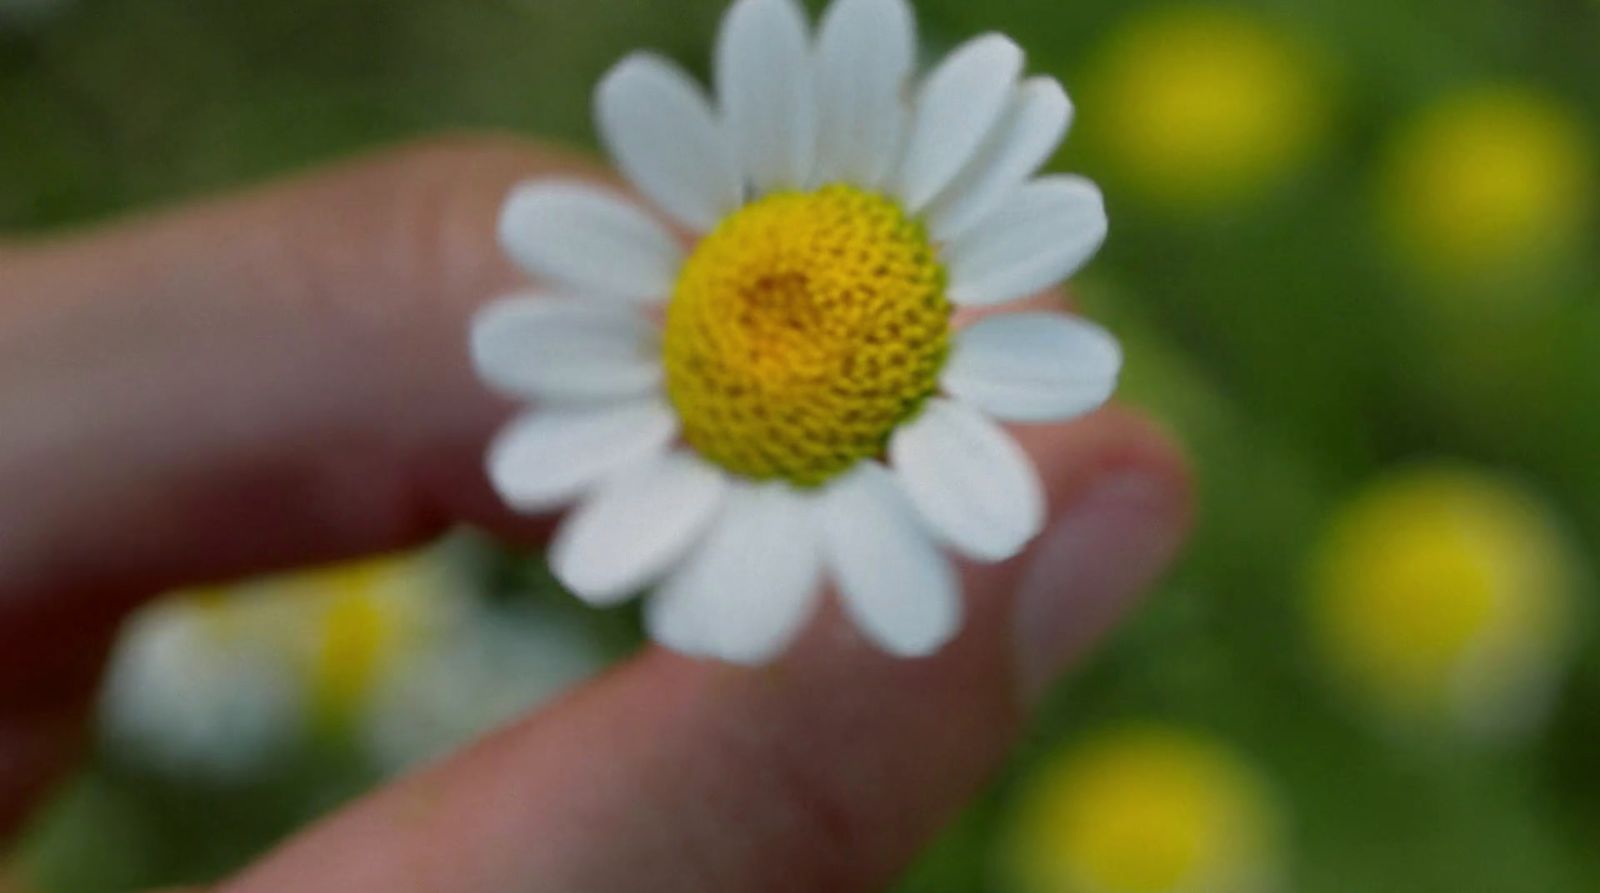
<point x="273" y="379"/>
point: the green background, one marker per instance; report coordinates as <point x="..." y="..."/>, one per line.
<point x="1274" y="335"/>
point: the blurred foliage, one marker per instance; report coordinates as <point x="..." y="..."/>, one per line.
<point x="1273" y="306"/>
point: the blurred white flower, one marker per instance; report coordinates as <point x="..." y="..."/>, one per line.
<point x="220" y="682"/>
<point x="365" y="619"/>
<point x="495" y="667"/>
<point x="204" y="685"/>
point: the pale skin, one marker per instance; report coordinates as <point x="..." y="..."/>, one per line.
<point x="280" y="378"/>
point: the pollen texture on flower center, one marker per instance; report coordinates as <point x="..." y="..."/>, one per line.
<point x="802" y="331"/>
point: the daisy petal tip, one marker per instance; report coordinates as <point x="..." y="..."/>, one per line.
<point x="545" y="460"/>
<point x="636" y="526"/>
<point x="483" y="335"/>
<point x="589" y="238"/>
<point x="925" y="632"/>
<point x="547" y="347"/>
<point x="749" y="587"/>
<point x="998" y="546"/>
<point x="892" y="580"/>
<point x="633" y="64"/>
<point x="996" y="49"/>
<point x="918" y="644"/>
<point x="1041" y="235"/>
<point x="1054" y="112"/>
<point x="1030" y="130"/>
<point x="509" y="226"/>
<point x="1014" y="547"/>
<point x="969" y="480"/>
<point x="666" y="628"/>
<point x="957" y="107"/>
<point x="891" y="20"/>
<point x="658" y="127"/>
<point x="503" y="466"/>
<point x="591" y="581"/>
<point x="746" y="655"/>
<point x="1031" y="519"/>
<point x="615" y="86"/>
<point x="1051" y="97"/>
<point x="576" y="579"/>
<point x="1033" y="367"/>
<point x="669" y="627"/>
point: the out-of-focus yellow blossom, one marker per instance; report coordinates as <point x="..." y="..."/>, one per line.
<point x="1147" y="809"/>
<point x="1489" y="182"/>
<point x="1444" y="593"/>
<point x="1200" y="106"/>
<point x="364" y="618"/>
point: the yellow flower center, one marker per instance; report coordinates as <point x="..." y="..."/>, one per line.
<point x="802" y="331"/>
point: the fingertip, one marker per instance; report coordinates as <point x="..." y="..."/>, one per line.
<point x="1120" y="513"/>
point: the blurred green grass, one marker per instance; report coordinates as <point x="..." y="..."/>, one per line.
<point x="1274" y="335"/>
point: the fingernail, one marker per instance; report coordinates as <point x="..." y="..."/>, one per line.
<point x="1107" y="548"/>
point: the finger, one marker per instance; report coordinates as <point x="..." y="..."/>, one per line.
<point x="272" y="378"/>
<point x="826" y="771"/>
<point x="268" y="380"/>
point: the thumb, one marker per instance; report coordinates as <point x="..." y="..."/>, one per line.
<point x="827" y="771"/>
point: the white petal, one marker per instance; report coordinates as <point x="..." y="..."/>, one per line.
<point x="1033" y="367"/>
<point x="659" y="128"/>
<point x="560" y="349"/>
<point x="750" y="586"/>
<point x="892" y="578"/>
<point x="957" y="106"/>
<point x="1034" y="123"/>
<point x="636" y="527"/>
<point x="969" y="480"/>
<point x="865" y="53"/>
<point x="584" y="237"/>
<point x="764" y="83"/>
<point x="1039" y="236"/>
<point x="546" y="458"/>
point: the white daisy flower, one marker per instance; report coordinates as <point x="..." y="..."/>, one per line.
<point x="784" y="398"/>
<point x="204" y="685"/>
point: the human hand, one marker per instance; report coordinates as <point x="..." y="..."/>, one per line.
<point x="281" y="378"/>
